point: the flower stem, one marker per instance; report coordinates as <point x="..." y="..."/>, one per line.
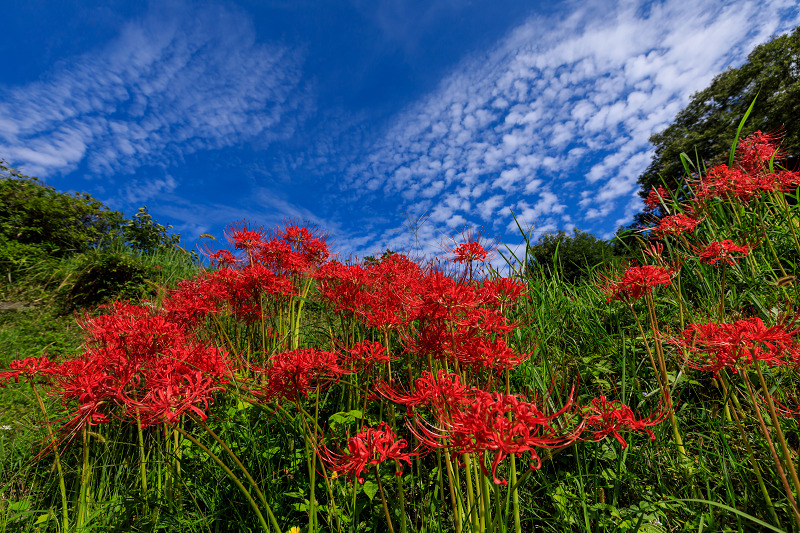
<point x="232" y="476"/>
<point x="62" y="488"/>
<point x="383" y="499"/>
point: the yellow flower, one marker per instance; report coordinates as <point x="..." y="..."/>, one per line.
<point x="294" y="529"/>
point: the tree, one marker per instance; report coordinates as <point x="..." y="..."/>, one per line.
<point x="32" y="213"/>
<point x="572" y="256"/>
<point x="706" y="127"/>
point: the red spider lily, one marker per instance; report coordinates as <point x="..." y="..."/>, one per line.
<point x="364" y="355"/>
<point x="370" y="447"/>
<point x="306" y="241"/>
<point x="29" y="367"/>
<point x="755" y="151"/>
<point x="673" y="225"/>
<point x="469" y="252"/>
<point x="716" y="346"/>
<point x="222" y="258"/>
<point x="494" y="424"/>
<point x="636" y="282"/>
<point x="182" y="393"/>
<point x="723" y="181"/>
<point x="134" y="363"/>
<point x="654" y="198"/>
<point x="722" y="251"/>
<point x="343" y="286"/>
<point x="440" y="392"/>
<point x="300" y="372"/>
<point x="655" y="250"/>
<point x="381" y="294"/>
<point x="485" y="354"/>
<point x="603" y="418"/>
<point x="243" y="238"/>
<point x="501" y="291"/>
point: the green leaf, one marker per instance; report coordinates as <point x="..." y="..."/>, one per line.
<point x="739" y="131"/>
<point x="43" y="518"/>
<point x="370" y="489"/>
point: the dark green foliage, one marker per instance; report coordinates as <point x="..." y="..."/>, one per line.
<point x="60" y="223"/>
<point x="104" y="275"/>
<point x="572" y="256"/>
<point x="705" y="128"/>
<point x="144" y="234"/>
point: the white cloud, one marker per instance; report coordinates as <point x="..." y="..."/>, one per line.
<point x="559" y="95"/>
<point x="181" y="79"/>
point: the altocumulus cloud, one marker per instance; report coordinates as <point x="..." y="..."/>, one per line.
<point x="171" y="84"/>
<point x="508" y="128"/>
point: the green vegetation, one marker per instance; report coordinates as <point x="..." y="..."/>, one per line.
<point x="282" y="391"/>
<point x="573" y="257"/>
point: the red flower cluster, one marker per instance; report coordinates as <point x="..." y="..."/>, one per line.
<point x="493" y="426"/>
<point x="469" y="252"/>
<point x="298" y="373"/>
<point x="603" y="418"/>
<point x="435" y="314"/>
<point x="136" y="365"/>
<point x="636" y="282"/>
<point x="380" y="294"/>
<point x="716" y="346"/>
<point x="722" y="251"/>
<point x="363" y="355"/>
<point x="437" y="393"/>
<point x="372" y="446"/>
<point x="673" y="225"/>
<point x="654" y="198"/>
<point x="271" y="269"/>
<point x="750" y="177"/>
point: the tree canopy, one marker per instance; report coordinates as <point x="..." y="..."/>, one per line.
<point x="32" y="213"/>
<point x="571" y="256"/>
<point x="706" y="127"/>
<point x="61" y="224"/>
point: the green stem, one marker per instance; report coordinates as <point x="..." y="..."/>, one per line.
<point x="779" y="432"/>
<point x="252" y="481"/>
<point x="232" y="476"/>
<point x="731" y="399"/>
<point x="663" y="366"/>
<point x="142" y="456"/>
<point x="383" y="499"/>
<point x="771" y="446"/>
<point x="62" y="488"/>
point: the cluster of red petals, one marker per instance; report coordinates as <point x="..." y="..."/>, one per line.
<point x="654" y="198"/>
<point x="636" y="282"/>
<point x="673" y="225"/>
<point x="712" y="347"/>
<point x="294" y="249"/>
<point x="603" y="418"/>
<point x="750" y="177"/>
<point x="27" y="368"/>
<point x="494" y="426"/>
<point x="469" y="252"/>
<point x="297" y="373"/>
<point x="446" y="390"/>
<point x="137" y="366"/>
<point x="380" y="294"/>
<point x="363" y="355"/>
<point x="272" y="267"/>
<point x="239" y="291"/>
<point x="754" y="152"/>
<point x="725" y="250"/>
<point x="370" y="447"/>
<point x="435" y="314"/>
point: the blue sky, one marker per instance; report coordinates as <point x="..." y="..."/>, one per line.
<point x="388" y="123"/>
